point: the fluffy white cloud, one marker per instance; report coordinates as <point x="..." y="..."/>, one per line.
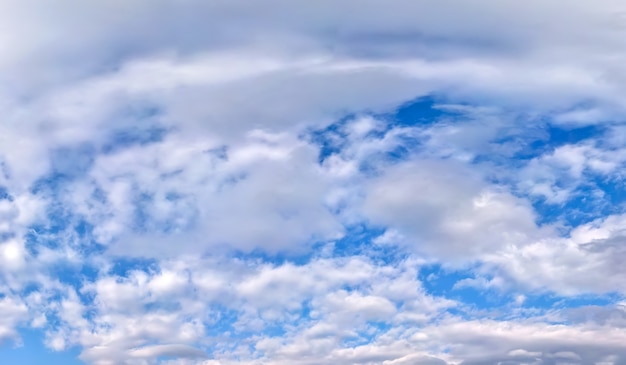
<point x="14" y="312"/>
<point x="445" y="210"/>
<point x="343" y="298"/>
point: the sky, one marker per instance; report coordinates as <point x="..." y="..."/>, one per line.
<point x="275" y="182"/>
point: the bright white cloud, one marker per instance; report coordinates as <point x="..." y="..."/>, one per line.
<point x="447" y="211"/>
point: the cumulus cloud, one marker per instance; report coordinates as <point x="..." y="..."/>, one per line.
<point x="447" y="211"/>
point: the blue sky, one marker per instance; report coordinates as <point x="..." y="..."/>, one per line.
<point x="274" y="182"/>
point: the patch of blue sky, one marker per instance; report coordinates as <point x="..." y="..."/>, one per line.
<point x="125" y="266"/>
<point x="67" y="164"/>
<point x="497" y="303"/>
<point x="74" y="272"/>
<point x="144" y="220"/>
<point x="4" y="236"/>
<point x="5" y="170"/>
<point x="440" y="281"/>
<point x="594" y="197"/>
<point x="225" y="331"/>
<point x="272" y="329"/>
<point x="515" y="147"/>
<point x="368" y="334"/>
<point x="274" y="258"/>
<point x="443" y="282"/>
<point x="334" y="137"/>
<point x="49" y="185"/>
<point x="570" y="214"/>
<point x="597" y="197"/>
<point x="331" y="139"/>
<point x="63" y="228"/>
<point x="54" y="321"/>
<point x="305" y="309"/>
<point x="221" y="323"/>
<point x="75" y="275"/>
<point x="361" y="241"/>
<point x="613" y="191"/>
<point x="4" y="194"/>
<point x="545" y="138"/>
<point x="560" y="135"/>
<point x="358" y="240"/>
<point x="33" y="351"/>
<point x="554" y="301"/>
<point x="142" y="201"/>
<point x="29" y="288"/>
<point x="134" y="136"/>
<point x="403" y="151"/>
<point x="422" y="111"/>
<point x="44" y="236"/>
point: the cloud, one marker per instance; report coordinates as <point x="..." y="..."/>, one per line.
<point x="332" y="300"/>
<point x="192" y="182"/>
<point x="447" y="211"/>
<point x="14" y="312"/>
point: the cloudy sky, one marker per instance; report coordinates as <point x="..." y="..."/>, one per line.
<point x="314" y="182"/>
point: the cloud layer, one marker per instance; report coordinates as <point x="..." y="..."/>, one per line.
<point x="277" y="182"/>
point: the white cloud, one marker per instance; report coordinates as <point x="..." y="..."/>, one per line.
<point x="13" y="313"/>
<point x="444" y="209"/>
<point x="555" y="175"/>
<point x="235" y="89"/>
<point x="587" y="262"/>
<point x="135" y="317"/>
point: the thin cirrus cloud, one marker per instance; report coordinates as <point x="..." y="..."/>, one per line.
<point x="378" y="182"/>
